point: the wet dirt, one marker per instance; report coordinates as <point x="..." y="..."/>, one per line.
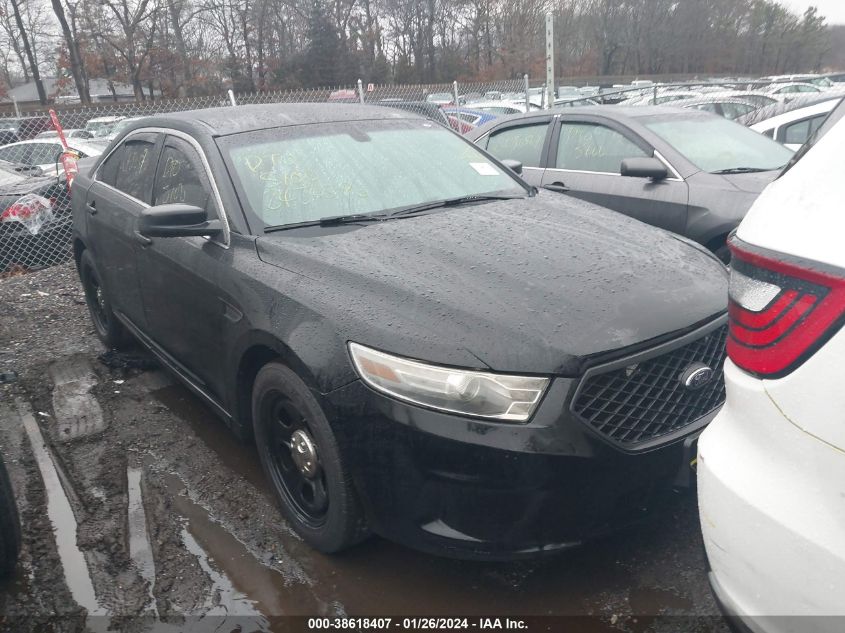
<point x="178" y="530"/>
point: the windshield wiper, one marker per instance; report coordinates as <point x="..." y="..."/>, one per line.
<point x="742" y="170"/>
<point x="333" y="220"/>
<point x="451" y="202"/>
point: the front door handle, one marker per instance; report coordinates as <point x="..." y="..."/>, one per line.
<point x="92" y="207"/>
<point x="145" y="241"/>
<point x="558" y="187"/>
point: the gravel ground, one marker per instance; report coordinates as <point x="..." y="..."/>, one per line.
<point x="161" y="520"/>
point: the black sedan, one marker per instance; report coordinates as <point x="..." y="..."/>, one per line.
<point x="687" y="171"/>
<point x="420" y="344"/>
<point x="35" y="219"/>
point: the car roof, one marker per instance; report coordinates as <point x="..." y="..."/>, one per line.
<point x="246" y="118"/>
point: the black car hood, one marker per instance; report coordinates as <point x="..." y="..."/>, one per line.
<point x="531" y="285"/>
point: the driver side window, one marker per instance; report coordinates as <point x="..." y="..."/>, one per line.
<point x="181" y="178"/>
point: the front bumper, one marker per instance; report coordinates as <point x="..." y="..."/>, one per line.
<point x="472" y="489"/>
<point x="772" y="515"/>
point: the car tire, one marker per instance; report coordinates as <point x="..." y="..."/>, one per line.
<point x="10" y="529"/>
<point x="303" y="462"/>
<point x="108" y="329"/>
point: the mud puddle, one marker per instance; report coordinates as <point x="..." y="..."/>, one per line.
<point x="382" y="578"/>
<point x="60" y="512"/>
<point x="215" y="434"/>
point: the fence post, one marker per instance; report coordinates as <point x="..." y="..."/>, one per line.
<point x="550" y="60"/>
<point x="361" y="91"/>
<point x="655" y="95"/>
<point x="232" y="98"/>
<point x="527" y="100"/>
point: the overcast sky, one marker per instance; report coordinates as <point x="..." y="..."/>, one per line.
<point x="833" y="10"/>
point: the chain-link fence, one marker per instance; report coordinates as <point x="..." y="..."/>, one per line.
<point x="35" y="218"/>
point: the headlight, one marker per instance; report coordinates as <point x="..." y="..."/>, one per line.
<point x="511" y="398"/>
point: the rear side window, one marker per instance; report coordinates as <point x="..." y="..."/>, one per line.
<point x="590" y="147"/>
<point x="135" y="170"/>
<point x="523" y="143"/>
<point x="181" y="178"/>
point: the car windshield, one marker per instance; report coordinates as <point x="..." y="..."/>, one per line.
<point x="305" y="173"/>
<point x="715" y="144"/>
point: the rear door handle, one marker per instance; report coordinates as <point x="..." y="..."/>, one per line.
<point x="145" y="241"/>
<point x="92" y="207"/>
<point x="559" y="187"/>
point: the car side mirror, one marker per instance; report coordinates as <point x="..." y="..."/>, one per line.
<point x="514" y="165"/>
<point x="177" y="220"/>
<point x="644" y="168"/>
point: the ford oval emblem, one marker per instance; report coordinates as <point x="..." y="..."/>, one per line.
<point x="696" y="376"/>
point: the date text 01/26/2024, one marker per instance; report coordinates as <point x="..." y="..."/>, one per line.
<point x="416" y="624"/>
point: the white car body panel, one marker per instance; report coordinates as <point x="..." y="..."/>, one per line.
<point x="771" y="469"/>
<point x="805" y="221"/>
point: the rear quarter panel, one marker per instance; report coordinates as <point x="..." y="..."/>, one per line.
<point x="801" y="212"/>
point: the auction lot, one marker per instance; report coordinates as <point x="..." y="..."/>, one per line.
<point x="177" y="528"/>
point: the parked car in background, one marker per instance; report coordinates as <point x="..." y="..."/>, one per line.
<point x="792" y="88"/>
<point x="499" y="108"/>
<point x="469" y="115"/>
<point x="566" y="102"/>
<point x="663" y="97"/>
<point x="771" y="467"/>
<point x="35" y="218"/>
<point x="8" y="136"/>
<point x="441" y="98"/>
<point x="820" y="81"/>
<point x="729" y="107"/>
<point x="793" y="128"/>
<point x="10" y="528"/>
<point x="758" y="99"/>
<point x="102" y="126"/>
<point x="69" y="133"/>
<point x="479" y="415"/>
<point x="46" y="153"/>
<point x="118" y="128"/>
<point x="422" y="108"/>
<point x="686" y="171"/>
<point x="26" y="127"/>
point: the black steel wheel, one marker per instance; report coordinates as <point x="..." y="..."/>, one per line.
<point x="302" y="460"/>
<point x="10" y="529"/>
<point x="109" y="330"/>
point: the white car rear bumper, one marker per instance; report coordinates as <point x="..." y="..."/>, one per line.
<point x="772" y="502"/>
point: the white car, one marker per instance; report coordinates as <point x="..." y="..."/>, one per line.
<point x="791" y="88"/>
<point x="69" y="133"/>
<point x="771" y="466"/>
<point x="46" y="153"/>
<point x="102" y="126"/>
<point x="793" y="128"/>
<point x="501" y="107"/>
